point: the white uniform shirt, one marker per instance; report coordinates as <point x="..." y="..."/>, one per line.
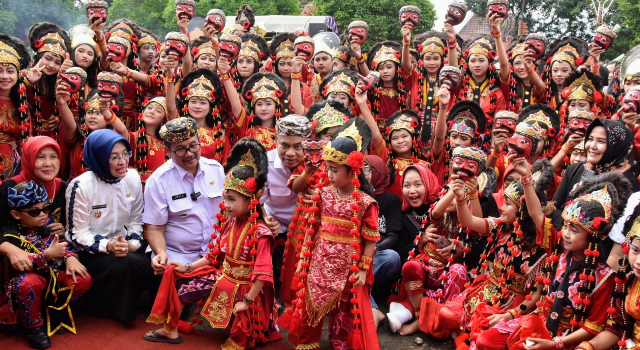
<point x="279" y="201"/>
<point x="99" y="212"/>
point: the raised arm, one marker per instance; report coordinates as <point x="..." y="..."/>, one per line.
<point x="361" y="100"/>
<point x="407" y="67"/>
<point x="505" y="71"/>
<point x="362" y="63"/>
<point x="170" y="91"/>
<point x="123" y="70"/>
<point x="444" y="97"/>
<point x="296" y="89"/>
<point x="66" y="117"/>
<point x="534" y="207"/>
<point x="464" y="214"/>
<point x="112" y="118"/>
<point x="452" y="42"/>
<point x="224" y="69"/>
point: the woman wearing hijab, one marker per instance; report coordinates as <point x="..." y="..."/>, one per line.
<point x="105" y="207"/>
<point x="40" y="164"/>
<point x="394" y="242"/>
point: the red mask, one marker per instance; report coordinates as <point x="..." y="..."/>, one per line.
<point x="409" y="18"/>
<point x="217" y="22"/>
<point x="229" y="49"/>
<point x="602" y="40"/>
<point x="535" y="47"/>
<point x="108" y="88"/>
<point x="578" y="126"/>
<point x="507" y="125"/>
<point x="116" y="52"/>
<point x="74" y="80"/>
<point x="313" y="150"/>
<point x="359" y="34"/>
<point x="466" y="168"/>
<point x="631" y="102"/>
<point x="520" y="144"/>
<point x="450" y="76"/>
<point x="455" y="15"/>
<point x="500" y="9"/>
<point x="184" y="11"/>
<point x="97" y="13"/>
<point x="305" y="50"/>
<point x="365" y="83"/>
<point x="176" y="47"/>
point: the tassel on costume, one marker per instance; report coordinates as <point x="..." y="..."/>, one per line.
<point x="461" y="341"/>
<point x="356" y="339"/>
<point x="284" y="321"/>
<point x="185" y="327"/>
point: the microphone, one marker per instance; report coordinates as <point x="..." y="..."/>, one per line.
<point x="194" y="196"/>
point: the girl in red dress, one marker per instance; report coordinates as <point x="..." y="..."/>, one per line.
<point x="564" y="57"/>
<point x="149" y="153"/>
<point x="238" y="293"/>
<point x="337" y="255"/>
<point x="14" y="111"/>
<point x="283" y="50"/>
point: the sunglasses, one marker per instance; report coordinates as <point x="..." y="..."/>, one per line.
<point x="35" y="212"/>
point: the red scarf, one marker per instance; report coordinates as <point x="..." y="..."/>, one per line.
<point x="30" y="151"/>
<point x="166" y="308"/>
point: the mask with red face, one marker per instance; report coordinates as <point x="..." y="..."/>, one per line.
<point x="410" y="15"/>
<point x="176" y="44"/>
<point x="365" y="83"/>
<point x="467" y="162"/>
<point x="109" y="85"/>
<point x="75" y="78"/>
<point x="313" y="150"/>
<point x="217" y="19"/>
<point x="524" y="141"/>
<point x="230" y="46"/>
<point x="604" y="37"/>
<point x="499" y="7"/>
<point x="578" y="122"/>
<point x="97" y="10"/>
<point x="450" y="76"/>
<point x="631" y="101"/>
<point x="358" y="31"/>
<point x="117" y="48"/>
<point x="185" y="9"/>
<point x="536" y="45"/>
<point x="456" y="13"/>
<point x="304" y="47"/>
<point x="505" y="121"/>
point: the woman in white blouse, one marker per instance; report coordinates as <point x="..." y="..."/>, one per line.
<point x="104" y="207"/>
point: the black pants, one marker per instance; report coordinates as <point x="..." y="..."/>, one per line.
<point x="119" y="282"/>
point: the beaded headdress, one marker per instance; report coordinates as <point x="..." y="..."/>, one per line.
<point x="403" y="122"/>
<point x="250" y="49"/>
<point x="93" y="105"/>
<point x="265" y="88"/>
<point x="200" y="87"/>
<point x="431" y="45"/>
<point x="204" y="49"/>
<point x="340" y="83"/>
<point x="52" y="42"/>
<point x="328" y="117"/>
<point x="147" y="39"/>
<point x="582" y="89"/>
<point x="482" y="46"/>
<point x="385" y="53"/>
<point x="286" y="49"/>
<point x="567" y="54"/>
<point x="159" y="100"/>
<point x="460" y="126"/>
<point x="573" y="213"/>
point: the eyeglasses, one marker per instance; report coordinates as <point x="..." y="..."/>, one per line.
<point x="116" y="159"/>
<point x="181" y="152"/>
<point x="35" y="212"/>
<point x="366" y="170"/>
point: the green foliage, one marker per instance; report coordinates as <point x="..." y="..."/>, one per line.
<point x="381" y="15"/>
<point x="146" y="13"/>
<point x="628" y="17"/>
<point x="16" y="17"/>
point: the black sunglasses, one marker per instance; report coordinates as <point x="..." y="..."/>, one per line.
<point x="35" y="212"/>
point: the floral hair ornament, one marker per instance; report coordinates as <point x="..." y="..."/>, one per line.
<point x="179" y="130"/>
<point x="573" y="213"/>
<point x="32" y="193"/>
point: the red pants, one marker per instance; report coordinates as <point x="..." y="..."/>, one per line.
<point x="492" y="339"/>
<point x="28" y="292"/>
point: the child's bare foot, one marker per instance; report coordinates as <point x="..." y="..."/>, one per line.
<point x="409" y="328"/>
<point x="161" y="336"/>
<point x="378" y="316"/>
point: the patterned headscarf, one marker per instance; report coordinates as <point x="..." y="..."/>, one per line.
<point x="619" y="144"/>
<point x="33" y="193"/>
<point x="293" y="125"/>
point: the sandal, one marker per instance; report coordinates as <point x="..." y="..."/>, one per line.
<point x="159" y="338"/>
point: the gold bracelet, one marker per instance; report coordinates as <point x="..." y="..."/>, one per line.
<point x="473" y="195"/>
<point x="462" y="202"/>
<point x="496" y="35"/>
<point x="296" y="75"/>
<point x="112" y="119"/>
<point x="496" y="155"/>
<point x="225" y="76"/>
<point x="365" y="262"/>
<point x="514" y="314"/>
<point x="566" y="149"/>
<point x="129" y="73"/>
<point x="531" y="68"/>
<point x="305" y="175"/>
<point x="170" y="80"/>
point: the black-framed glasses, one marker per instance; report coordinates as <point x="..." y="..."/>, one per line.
<point x="116" y="159"/>
<point x="181" y="152"/>
<point x="367" y="168"/>
<point x="35" y="212"/>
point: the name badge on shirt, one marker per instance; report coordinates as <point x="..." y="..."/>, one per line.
<point x="100" y="206"/>
<point x="184" y="216"/>
<point x="179" y="196"/>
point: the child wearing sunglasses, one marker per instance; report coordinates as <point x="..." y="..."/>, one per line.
<point x="55" y="269"/>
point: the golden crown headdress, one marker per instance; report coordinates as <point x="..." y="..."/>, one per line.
<point x="582" y="89"/>
<point x="122" y="30"/>
<point x="205" y="49"/>
<point x="332" y="154"/>
<point x="328" y="117"/>
<point x="160" y="100"/>
<point x="432" y="45"/>
<point x="9" y="55"/>
<point x="265" y="88"/>
<point x="567" y="54"/>
<point x="286" y="49"/>
<point x="250" y="49"/>
<point x="52" y="42"/>
<point x="574" y="214"/>
<point x="385" y="53"/>
<point x="517" y="50"/>
<point x="340" y="83"/>
<point x="147" y="39"/>
<point x="535" y="119"/>
<point x="93" y="105"/>
<point x="200" y="87"/>
<point x="246" y="187"/>
<point x="513" y="192"/>
<point x="402" y="122"/>
<point x="477" y="48"/>
<point x="635" y="230"/>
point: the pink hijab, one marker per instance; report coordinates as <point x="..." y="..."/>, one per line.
<point x="430" y="183"/>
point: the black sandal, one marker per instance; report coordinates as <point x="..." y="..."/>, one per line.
<point x="159" y="338"/>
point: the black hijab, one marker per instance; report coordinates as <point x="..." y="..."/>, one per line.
<point x="619" y="144"/>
